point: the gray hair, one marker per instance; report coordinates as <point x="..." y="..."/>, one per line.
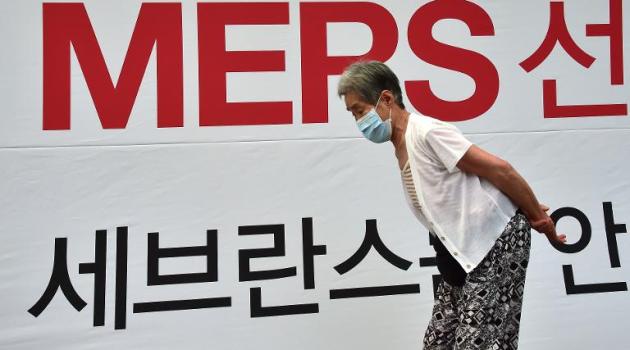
<point x="368" y="79"/>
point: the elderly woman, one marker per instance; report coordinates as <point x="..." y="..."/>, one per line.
<point x="478" y="208"/>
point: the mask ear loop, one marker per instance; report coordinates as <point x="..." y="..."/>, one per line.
<point x="378" y="101"/>
<point x="376" y="106"/>
<point x="390" y="108"/>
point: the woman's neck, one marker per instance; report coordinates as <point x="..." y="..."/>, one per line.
<point x="400" y="117"/>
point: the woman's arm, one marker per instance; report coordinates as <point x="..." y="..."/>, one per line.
<point x="501" y="174"/>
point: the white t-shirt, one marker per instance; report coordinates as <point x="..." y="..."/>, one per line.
<point x="466" y="212"/>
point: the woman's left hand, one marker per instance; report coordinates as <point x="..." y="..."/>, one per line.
<point x="544" y="224"/>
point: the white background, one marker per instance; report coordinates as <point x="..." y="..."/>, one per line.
<point x="183" y="181"/>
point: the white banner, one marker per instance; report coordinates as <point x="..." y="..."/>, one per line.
<point x="183" y="175"/>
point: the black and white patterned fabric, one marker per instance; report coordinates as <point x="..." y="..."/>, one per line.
<point x="484" y="313"/>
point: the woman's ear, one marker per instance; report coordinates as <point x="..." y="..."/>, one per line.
<point x="388" y="96"/>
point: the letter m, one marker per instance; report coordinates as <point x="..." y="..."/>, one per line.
<point x="67" y="25"/>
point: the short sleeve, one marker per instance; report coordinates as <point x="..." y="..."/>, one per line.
<point x="449" y="145"/>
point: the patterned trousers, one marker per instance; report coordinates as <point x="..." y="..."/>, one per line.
<point x="485" y="312"/>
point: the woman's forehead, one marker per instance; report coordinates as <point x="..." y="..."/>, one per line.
<point x="353" y="99"/>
